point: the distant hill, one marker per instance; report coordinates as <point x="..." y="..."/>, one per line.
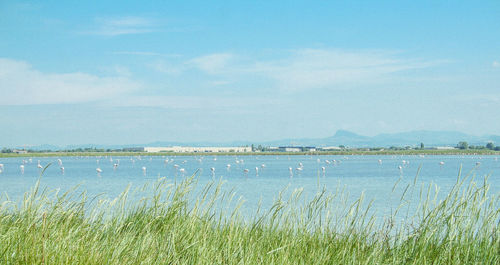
<point x="341" y="137"/>
<point x="413" y="138"/>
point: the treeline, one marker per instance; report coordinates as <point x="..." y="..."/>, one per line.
<point x="489" y="146"/>
<point x="75" y="150"/>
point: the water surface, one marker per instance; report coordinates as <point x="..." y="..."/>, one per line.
<point x="254" y="178"/>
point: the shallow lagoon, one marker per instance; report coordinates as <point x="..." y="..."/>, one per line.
<point x="375" y="176"/>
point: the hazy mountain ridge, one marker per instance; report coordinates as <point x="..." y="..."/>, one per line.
<point x="341" y="137"/>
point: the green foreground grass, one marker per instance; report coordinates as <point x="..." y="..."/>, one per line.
<point x="176" y="225"/>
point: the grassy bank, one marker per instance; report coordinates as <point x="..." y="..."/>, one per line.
<point x="344" y="152"/>
<point x="170" y="227"/>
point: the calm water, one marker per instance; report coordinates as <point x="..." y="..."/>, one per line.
<point x="373" y="175"/>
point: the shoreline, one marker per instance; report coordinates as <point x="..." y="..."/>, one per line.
<point x="385" y="152"/>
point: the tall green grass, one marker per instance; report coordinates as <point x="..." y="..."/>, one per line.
<point x="178" y="223"/>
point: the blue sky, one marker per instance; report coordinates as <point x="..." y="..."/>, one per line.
<point x="123" y="72"/>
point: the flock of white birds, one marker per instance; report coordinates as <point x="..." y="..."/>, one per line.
<point x="116" y="163"/>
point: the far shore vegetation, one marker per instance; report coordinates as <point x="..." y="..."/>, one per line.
<point x="462" y="148"/>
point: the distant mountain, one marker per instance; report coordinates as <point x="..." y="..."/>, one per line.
<point x="341" y="137"/>
<point x="412" y="138"/>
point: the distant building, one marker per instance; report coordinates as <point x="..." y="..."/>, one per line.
<point x="290" y="149"/>
<point x="19" y="151"/>
<point x="330" y="148"/>
<point x="297" y="149"/>
<point x="445" y="147"/>
<point x="190" y="149"/>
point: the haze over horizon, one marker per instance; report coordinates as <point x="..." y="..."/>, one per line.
<point x="121" y="72"/>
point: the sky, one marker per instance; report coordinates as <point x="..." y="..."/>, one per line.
<point x="132" y="72"/>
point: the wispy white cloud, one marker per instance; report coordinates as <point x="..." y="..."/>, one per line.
<point x="122" y="26"/>
<point x="495" y="64"/>
<point x="147" y="54"/>
<point x="192" y="102"/>
<point x="166" y="67"/>
<point x="20" y="84"/>
<point x="310" y="68"/>
<point x="219" y="63"/>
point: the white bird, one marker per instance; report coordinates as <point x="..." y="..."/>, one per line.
<point x="62" y="170"/>
<point x="300" y="165"/>
<point x="213" y="171"/>
<point x="115" y="166"/>
<point x="441" y="163"/>
<point x="99" y="170"/>
<point x="324" y="170"/>
<point x="290" y="170"/>
<point x="182" y="170"/>
<point x="328" y="162"/>
<point x="39" y="166"/>
<point x="228" y="167"/>
<point x="22" y="169"/>
<point x="400" y="168"/>
<point x="246" y="171"/>
<point x="263" y="165"/>
<point x="380" y="161"/>
<point x="144" y="170"/>
<point x="1" y="166"/>
<point x="166" y="161"/>
<point x="299" y="169"/>
<point x="256" y="171"/>
<point x="59" y="161"/>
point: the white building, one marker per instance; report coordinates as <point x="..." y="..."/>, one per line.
<point x="331" y="148"/>
<point x="190" y="149"/>
<point x="445" y="148"/>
